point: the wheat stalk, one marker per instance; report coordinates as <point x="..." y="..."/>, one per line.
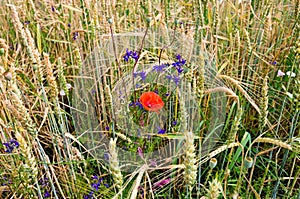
<point x="264" y="104"/>
<point x="275" y="142"/>
<point x="114" y="164"/>
<point x="190" y="170"/>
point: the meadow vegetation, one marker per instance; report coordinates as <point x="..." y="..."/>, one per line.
<point x="226" y="126"/>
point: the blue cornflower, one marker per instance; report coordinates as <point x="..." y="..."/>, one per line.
<point x="142" y="74"/>
<point x="135" y="56"/>
<point x="175" y="79"/>
<point x="46" y="194"/>
<point x="161" y="131"/>
<point x="139" y="105"/>
<point x="178" y="64"/>
<point x="11" y="145"/>
<point x="44" y="182"/>
<point x="159" y="68"/>
<point x="174" y="123"/>
<point x="96" y="186"/>
<point x="129" y="54"/>
<point x="179" y="70"/>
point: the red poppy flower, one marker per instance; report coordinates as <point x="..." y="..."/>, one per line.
<point x="151" y="101"/>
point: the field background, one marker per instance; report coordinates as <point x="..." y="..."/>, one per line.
<point x="255" y="46"/>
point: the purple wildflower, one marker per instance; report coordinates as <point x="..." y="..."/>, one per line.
<point x="139" y="105"/>
<point x="135" y="56"/>
<point x="174" y="123"/>
<point x="179" y="69"/>
<point x="52" y="8"/>
<point x="142" y="74"/>
<point x="178" y="57"/>
<point x="106" y="185"/>
<point x="107" y="128"/>
<point x="69" y="25"/>
<point x="175" y="79"/>
<point x="129" y="54"/>
<point x="75" y="35"/>
<point x="11" y="145"/>
<point x="161" y="131"/>
<point x="159" y="68"/>
<point x="46" y="194"/>
<point x="273" y="62"/>
<point x="96" y="186"/>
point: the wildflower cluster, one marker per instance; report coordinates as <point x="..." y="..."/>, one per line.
<point x="179" y="63"/>
<point x="95" y="186"/>
<point x="129" y="54"/>
<point x="11" y="145"/>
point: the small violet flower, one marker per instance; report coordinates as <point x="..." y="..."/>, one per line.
<point x="175" y="79"/>
<point x="174" y="123"/>
<point x="159" y="68"/>
<point x="142" y="74"/>
<point x="11" y="145"/>
<point x="139" y="105"/>
<point x="129" y="54"/>
<point x="161" y="131"/>
<point x="179" y="63"/>
<point x="75" y="35"/>
<point x="46" y="194"/>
